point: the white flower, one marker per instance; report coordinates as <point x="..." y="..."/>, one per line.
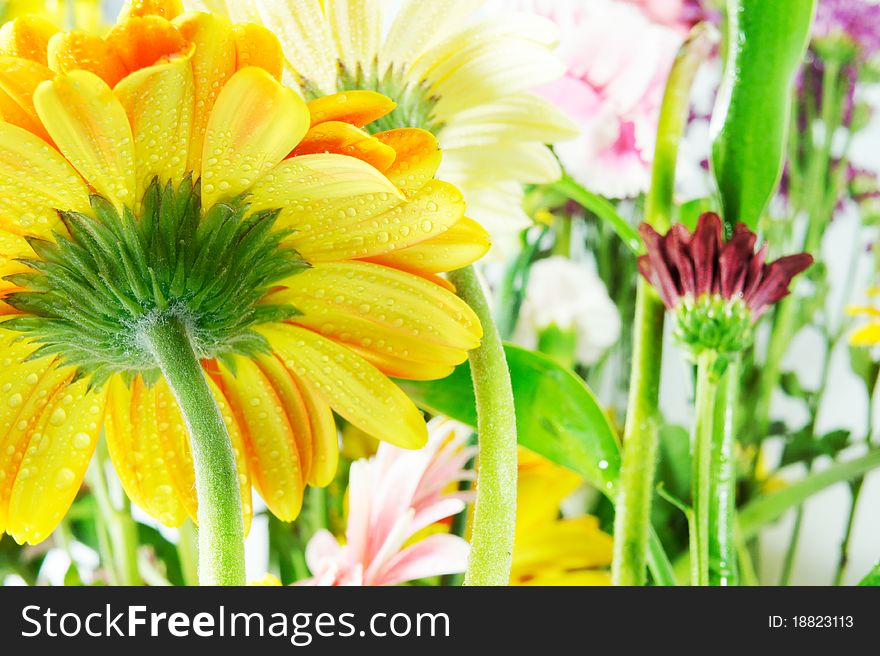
<point x="570" y="296"/>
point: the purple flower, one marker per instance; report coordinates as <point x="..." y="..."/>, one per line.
<point x="685" y="267"/>
<point x="855" y="21"/>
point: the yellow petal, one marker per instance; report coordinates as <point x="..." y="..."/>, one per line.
<point x="25" y="390"/>
<point x="346" y="139"/>
<point x="19" y="78"/>
<point x="12" y="246"/>
<point x="255" y="124"/>
<point x="461" y="245"/>
<point x="80" y="51"/>
<point x="35" y="181"/>
<point x="418" y="157"/>
<point x="159" y="104"/>
<point x="433" y="210"/>
<point x="257" y="46"/>
<point x="56" y="460"/>
<point x="317" y="192"/>
<point x="271" y="444"/>
<point x="167" y="9"/>
<point x="351" y="386"/>
<point x="356" y="107"/>
<point x="867" y="335"/>
<point x="174" y="439"/>
<point x="562" y="545"/>
<point x="27" y="37"/>
<point x="213" y="64"/>
<point x="325" y="438"/>
<point x="89" y="125"/>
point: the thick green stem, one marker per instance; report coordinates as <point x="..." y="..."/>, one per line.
<point x="495" y="507"/>
<point x="703" y="438"/>
<point x="722" y="482"/>
<point x="633" y="506"/>
<point x="221" y="530"/>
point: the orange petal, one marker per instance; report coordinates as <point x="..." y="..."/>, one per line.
<point x="142" y="42"/>
<point x="257" y="46"/>
<point x="271" y="445"/>
<point x="56" y="460"/>
<point x="19" y="78"/>
<point x="27" y="37"/>
<point x="325" y="438"/>
<point x="174" y="439"/>
<point x="213" y="64"/>
<point x="345" y="139"/>
<point x="418" y="157"/>
<point x="356" y="107"/>
<point x="167" y="9"/>
<point x="463" y="244"/>
<point x="77" y="50"/>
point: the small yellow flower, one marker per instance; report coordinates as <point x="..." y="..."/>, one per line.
<point x="869" y="333"/>
<point x="549" y="550"/>
<point x="468" y="81"/>
<point x="163" y="173"/>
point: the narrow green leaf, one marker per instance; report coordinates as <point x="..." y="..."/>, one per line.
<point x="873" y="577"/>
<point x="766" y="42"/>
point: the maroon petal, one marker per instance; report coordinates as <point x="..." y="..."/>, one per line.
<point x="734" y="260"/>
<point x="704" y="251"/>
<point x="677" y="253"/>
<point x="775" y="281"/>
<point x="656" y="270"/>
<point x="753" y="275"/>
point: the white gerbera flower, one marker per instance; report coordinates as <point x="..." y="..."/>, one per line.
<point x="466" y="80"/>
<point x="570" y="296"/>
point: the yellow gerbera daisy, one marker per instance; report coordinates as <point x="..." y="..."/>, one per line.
<point x="549" y="550"/>
<point x="467" y="81"/>
<point x="159" y="187"/>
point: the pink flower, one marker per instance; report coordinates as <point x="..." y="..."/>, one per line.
<point x="393" y="496"/>
<point x="683" y="14"/>
<point x="618" y="60"/>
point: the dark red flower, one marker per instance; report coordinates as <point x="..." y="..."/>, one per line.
<point x="682" y="265"/>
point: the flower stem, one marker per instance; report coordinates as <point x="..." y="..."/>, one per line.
<point x="633" y="505"/>
<point x="221" y="530"/>
<point x="722" y="482"/>
<point x="495" y="508"/>
<point x="703" y="438"/>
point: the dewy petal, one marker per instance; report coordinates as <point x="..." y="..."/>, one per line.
<point x="213" y="64"/>
<point x="143" y="42"/>
<point x="418" y="157"/>
<point x="325" y="438"/>
<point x="461" y="245"/>
<point x="356" y="26"/>
<point x="358" y="108"/>
<point x="35" y="181"/>
<point x="255" y="123"/>
<point x="27" y="386"/>
<point x="305" y="36"/>
<point x="56" y="459"/>
<point x="80" y="51"/>
<point x="271" y="444"/>
<point x="138" y="453"/>
<point x="320" y="192"/>
<point x="345" y="139"/>
<point x="432" y="211"/>
<point x="167" y="9"/>
<point x="257" y="46"/>
<point x="89" y="125"/>
<point x="174" y="438"/>
<point x="159" y="104"/>
<point x="19" y="78"/>
<point x="27" y="37"/>
<point x="354" y="388"/>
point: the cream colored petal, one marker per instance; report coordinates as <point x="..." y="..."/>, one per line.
<point x="526" y="162"/>
<point x="89" y="125"/>
<point x="357" y="30"/>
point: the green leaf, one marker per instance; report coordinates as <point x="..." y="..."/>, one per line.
<point x="766" y="42"/>
<point x="690" y="212"/>
<point x="557" y="415"/>
<point x="873" y="577"/>
<point x="864" y="366"/>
